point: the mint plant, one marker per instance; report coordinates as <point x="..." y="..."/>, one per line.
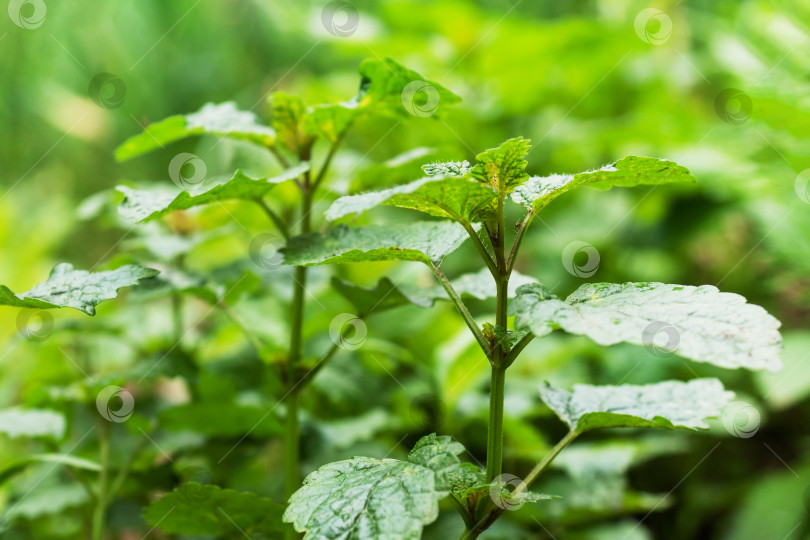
<point x="367" y="498"/>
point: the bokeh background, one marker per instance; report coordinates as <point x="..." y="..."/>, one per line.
<point x="720" y="87"/>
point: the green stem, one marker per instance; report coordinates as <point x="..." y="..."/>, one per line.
<point x="510" y="262"/>
<point x="292" y="444"/>
<point x="517" y="349"/>
<point x="495" y="430"/>
<point x="543" y="465"/>
<point x="465" y="314"/>
<point x="327" y="161"/>
<point x="482" y="250"/>
<point x="100" y="508"/>
<point x="177" y="317"/>
<point x="469" y="522"/>
<point x="280" y="224"/>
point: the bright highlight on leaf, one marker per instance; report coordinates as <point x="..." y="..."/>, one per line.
<point x="145" y="204"/>
<point x="16" y="422"/>
<point x="670" y="404"/>
<point x="537" y="192"/>
<point x="363" y="498"/>
<point x="224" y="120"/>
<point x="77" y="289"/>
<point x="699" y="323"/>
<point x="425" y="241"/>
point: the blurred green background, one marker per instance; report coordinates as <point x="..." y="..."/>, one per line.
<point x="721" y="87"/>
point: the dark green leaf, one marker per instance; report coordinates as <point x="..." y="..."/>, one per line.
<point x="77" y="289"/>
<point x="427" y="241"/>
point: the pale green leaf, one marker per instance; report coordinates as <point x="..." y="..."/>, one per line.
<point x="447" y="168"/>
<point x="205" y="509"/>
<point x="460" y="199"/>
<point x="331" y="120"/>
<point x="224" y="120"/>
<point x="17" y="422"/>
<point x="503" y="168"/>
<point x="427" y="241"/>
<point x="700" y="323"/>
<point x="670" y="404"/>
<point x="537" y="192"/>
<point x="289" y="114"/>
<point x="364" y="498"/>
<point x="47" y="501"/>
<point x="77" y="289"/>
<point x="144" y="204"/>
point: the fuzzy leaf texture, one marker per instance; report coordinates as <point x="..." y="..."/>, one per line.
<point x="223" y="120"/>
<point x="141" y="205"/>
<point x="537" y="192"/>
<point x="77" y="289"/>
<point x="427" y="242"/>
<point x="699" y="323"/>
<point x="503" y="168"/>
<point x="16" y="422"/>
<point x="204" y="509"/>
<point x="364" y="498"/>
<point x="460" y="199"/>
<point x="670" y="404"/>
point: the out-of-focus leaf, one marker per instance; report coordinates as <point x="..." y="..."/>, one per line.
<point x="17" y="467"/>
<point x="669" y="404"/>
<point x="459" y="199"/>
<point x="792" y="384"/>
<point x="223" y="120"/>
<point x="47" y="501"/>
<point x="700" y="323"/>
<point x="345" y="432"/>
<point x="198" y="509"/>
<point x="388" y="87"/>
<point x="145" y="204"/>
<point x="19" y="422"/>
<point x="331" y="120"/>
<point x="289" y="114"/>
<point x="537" y="192"/>
<point x="221" y="419"/>
<point x="78" y="289"/>
<point x="427" y="242"/>
<point x="173" y="281"/>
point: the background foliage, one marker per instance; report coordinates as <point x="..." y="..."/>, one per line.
<point x="725" y="94"/>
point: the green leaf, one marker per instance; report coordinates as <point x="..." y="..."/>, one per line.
<point x="142" y="205"/>
<point x="17" y="422"/>
<point x="363" y="498"/>
<point x="670" y="404"/>
<point x="10" y="470"/>
<point x="47" y="501"/>
<point x="503" y="168"/>
<point x="537" y="192"/>
<point x="460" y="199"/>
<point x="196" y="509"/>
<point x="385" y="81"/>
<point x="172" y="281"/>
<point x="77" y="289"/>
<point x="467" y="480"/>
<point x="426" y="241"/>
<point x="223" y="120"/>
<point x="331" y="120"/>
<point x="439" y="454"/>
<point x="700" y="323"/>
